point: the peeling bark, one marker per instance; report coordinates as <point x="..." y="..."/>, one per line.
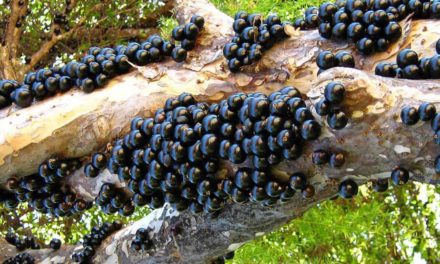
<point x="374" y="141"/>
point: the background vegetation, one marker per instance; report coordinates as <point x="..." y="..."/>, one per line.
<point x="401" y="225"/>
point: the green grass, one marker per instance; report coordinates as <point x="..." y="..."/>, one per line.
<point x="287" y="10"/>
<point x="369" y="229"/>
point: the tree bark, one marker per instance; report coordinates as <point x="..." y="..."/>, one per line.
<point x="75" y="124"/>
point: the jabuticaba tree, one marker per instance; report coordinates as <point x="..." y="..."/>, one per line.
<point x="366" y="134"/>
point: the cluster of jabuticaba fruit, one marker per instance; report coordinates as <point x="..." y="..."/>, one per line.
<point x="93" y="240"/>
<point x="45" y="192"/>
<point x="426" y="112"/>
<point x="26" y="242"/>
<point x="326" y="60"/>
<point x="253" y="36"/>
<point x="409" y="66"/>
<point x="20" y="258"/>
<point x="177" y="155"/>
<point x="98" y="66"/>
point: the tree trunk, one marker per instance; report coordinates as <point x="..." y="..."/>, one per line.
<point x="76" y="124"/>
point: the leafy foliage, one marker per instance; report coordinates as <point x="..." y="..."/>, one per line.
<point x="401" y="225"/>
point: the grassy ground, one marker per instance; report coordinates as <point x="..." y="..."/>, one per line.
<point x="287" y="10"/>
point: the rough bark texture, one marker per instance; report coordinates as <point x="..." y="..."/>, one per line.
<point x="75" y="124"/>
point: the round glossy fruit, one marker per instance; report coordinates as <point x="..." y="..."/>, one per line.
<point x="55" y="244"/>
<point x="385" y="69"/>
<point x="344" y="59"/>
<point x="434" y="65"/>
<point x="320" y="157"/>
<point x="339" y="31"/>
<point x="355" y="31"/>
<point x="326" y="60"/>
<point x="337" y="120"/>
<point x="337" y="160"/>
<point x="427" y="111"/>
<point x="409" y="115"/>
<point x="393" y="31"/>
<point x="407" y="57"/>
<point x="412" y="72"/>
<point x="298" y="181"/>
<point x="179" y="54"/>
<point x="334" y="92"/>
<point x="380" y="185"/>
<point x="323" y="107"/>
<point x="325" y="30"/>
<point x="348" y="189"/>
<point x="365" y="46"/>
<point x="400" y="176"/>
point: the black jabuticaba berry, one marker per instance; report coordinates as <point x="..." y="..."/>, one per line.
<point x="325" y="30"/>
<point x="399" y="176"/>
<point x="379" y="4"/>
<point x="326" y="60"/>
<point x="179" y="54"/>
<point x="385" y="69"/>
<point x="352" y="5"/>
<point x="298" y="181"/>
<point x="55" y="244"/>
<point x="380" y="185"/>
<point x="239" y="25"/>
<point x="407" y="57"/>
<point x="308" y="191"/>
<point x="393" y="31"/>
<point x="303" y="114"/>
<point x="365" y="46"/>
<point x="87" y="85"/>
<point x="368" y="17"/>
<point x="320" y="157"/>
<point x="334" y="92"/>
<point x="230" y="50"/>
<point x="344" y="59"/>
<point x="412" y="72"/>
<point x="374" y="32"/>
<point x="326" y="11"/>
<point x="90" y="171"/>
<point x="38" y="90"/>
<point x="188" y="44"/>
<point x="300" y="23"/>
<point x="274" y="189"/>
<point x="12" y="183"/>
<point x="435" y="66"/>
<point x="311" y="10"/>
<point x="323" y="107"/>
<point x="337" y="160"/>
<point x="341" y="17"/>
<point x="178" y="33"/>
<point x="427" y="111"/>
<point x="312" y="20"/>
<point x="382" y="44"/>
<point x="234" y="65"/>
<point x="357" y="16"/>
<point x="380" y="18"/>
<point x="22" y="96"/>
<point x="99" y="160"/>
<point x="199" y="21"/>
<point x="310" y="130"/>
<point x="339" y="31"/>
<point x="348" y="189"/>
<point x="337" y="120"/>
<point x="409" y="115"/>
